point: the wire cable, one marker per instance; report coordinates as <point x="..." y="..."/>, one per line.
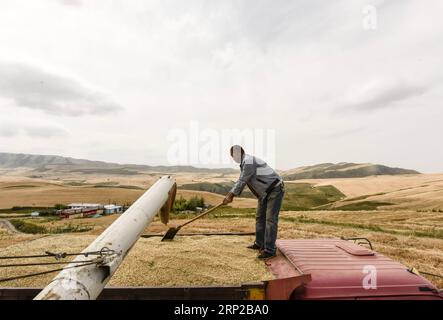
<point x="44" y="272"/>
<point x="42" y="263"/>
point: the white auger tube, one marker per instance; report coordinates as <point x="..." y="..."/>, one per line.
<point x="87" y="282"/>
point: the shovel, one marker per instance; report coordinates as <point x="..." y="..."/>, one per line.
<point x="170" y="234"/>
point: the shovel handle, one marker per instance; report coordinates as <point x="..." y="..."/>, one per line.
<point x="201" y="215"/>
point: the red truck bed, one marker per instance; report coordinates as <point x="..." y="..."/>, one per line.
<point x="340" y="269"/>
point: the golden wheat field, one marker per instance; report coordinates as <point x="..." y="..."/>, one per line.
<point x="420" y="192"/>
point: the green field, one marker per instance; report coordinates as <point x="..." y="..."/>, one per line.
<point x="26" y="210"/>
<point x="304" y="196"/>
<point x="298" y="196"/>
<point x="219" y="188"/>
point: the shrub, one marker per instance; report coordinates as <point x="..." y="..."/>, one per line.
<point x="182" y="204"/>
<point x="28" y="227"/>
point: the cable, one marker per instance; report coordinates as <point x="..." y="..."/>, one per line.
<point x="58" y="256"/>
<point x="431" y="274"/>
<point x="105" y="251"/>
<point x="25" y="257"/>
<point x="42" y="263"/>
<point x="150" y="235"/>
<point x="43" y="273"/>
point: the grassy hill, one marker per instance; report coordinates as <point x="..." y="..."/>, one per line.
<point x="219" y="188"/>
<point x="342" y="170"/>
<point x="298" y="196"/>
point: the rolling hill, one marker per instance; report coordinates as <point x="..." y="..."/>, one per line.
<point x="342" y="170"/>
<point x="43" y="163"/>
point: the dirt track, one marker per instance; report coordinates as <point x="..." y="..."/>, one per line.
<point x="7" y="225"/>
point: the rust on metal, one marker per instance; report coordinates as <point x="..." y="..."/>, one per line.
<point x="287" y="278"/>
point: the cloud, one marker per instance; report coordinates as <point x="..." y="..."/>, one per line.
<point x="44" y="131"/>
<point x="8" y="132"/>
<point x="34" y="88"/>
<point x="13" y="129"/>
<point x="74" y="3"/>
<point x="382" y="94"/>
<point x="345" y="133"/>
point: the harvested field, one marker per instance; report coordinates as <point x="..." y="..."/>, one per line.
<point x="354" y="187"/>
<point x="418" y="192"/>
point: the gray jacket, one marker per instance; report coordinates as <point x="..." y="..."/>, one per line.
<point x="257" y="175"/>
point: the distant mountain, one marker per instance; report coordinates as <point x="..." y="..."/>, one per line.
<point x="342" y="170"/>
<point x="48" y="163"/>
<point x="44" y="163"/>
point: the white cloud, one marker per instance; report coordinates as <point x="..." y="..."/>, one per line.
<point x="74" y="3"/>
<point x="7" y="131"/>
<point x="382" y="94"/>
<point x="34" y="88"/>
<point x="31" y="130"/>
<point x="45" y="132"/>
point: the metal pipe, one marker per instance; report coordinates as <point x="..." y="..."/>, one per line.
<point x="87" y="282"/>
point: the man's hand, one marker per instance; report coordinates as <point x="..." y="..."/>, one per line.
<point x="228" y="199"/>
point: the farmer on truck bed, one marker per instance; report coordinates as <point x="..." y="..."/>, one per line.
<point x="268" y="187"/>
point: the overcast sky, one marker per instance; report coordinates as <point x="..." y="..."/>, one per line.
<point x="110" y="80"/>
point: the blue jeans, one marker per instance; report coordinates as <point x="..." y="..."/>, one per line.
<point x="266" y="219"/>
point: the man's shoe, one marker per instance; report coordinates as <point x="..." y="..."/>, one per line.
<point x="266" y="255"/>
<point x="254" y="247"/>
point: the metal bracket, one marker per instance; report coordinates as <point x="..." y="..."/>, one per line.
<point x="367" y="241"/>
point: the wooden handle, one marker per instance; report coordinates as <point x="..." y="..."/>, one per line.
<point x="201" y="215"/>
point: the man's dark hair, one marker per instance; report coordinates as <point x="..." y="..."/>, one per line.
<point x="237" y="148"/>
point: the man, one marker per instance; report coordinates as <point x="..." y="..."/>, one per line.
<point x="268" y="187"/>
